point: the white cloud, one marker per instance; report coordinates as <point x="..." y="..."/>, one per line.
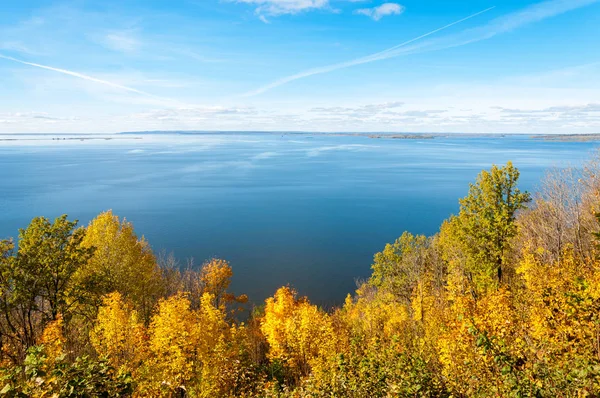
<point x="368" y="110"/>
<point x="503" y="112"/>
<point x="280" y="7"/>
<point x="376" y="13"/>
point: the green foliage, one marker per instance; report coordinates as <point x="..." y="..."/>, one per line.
<point x="486" y="222"/>
<point x="400" y="266"/>
<point x="83" y="377"/>
<point x="49" y="254"/>
<point x="37" y="282"/>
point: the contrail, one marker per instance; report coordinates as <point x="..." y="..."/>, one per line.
<point x="369" y="58"/>
<point x="534" y="13"/>
<point x="429" y="34"/>
<point x="81" y="76"/>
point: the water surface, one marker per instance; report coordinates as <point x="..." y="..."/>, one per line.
<point x="305" y="210"/>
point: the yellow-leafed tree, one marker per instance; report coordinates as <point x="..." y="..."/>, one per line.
<point x="121" y="263"/>
<point x="563" y="307"/>
<point x="191" y="350"/>
<point x="174" y="342"/>
<point x="118" y="333"/>
<point x="299" y="334"/>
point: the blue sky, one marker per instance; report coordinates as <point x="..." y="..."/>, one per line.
<point x="300" y="65"/>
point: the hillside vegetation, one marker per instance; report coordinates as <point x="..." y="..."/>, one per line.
<point x="504" y="301"/>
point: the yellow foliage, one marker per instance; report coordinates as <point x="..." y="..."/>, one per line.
<point x="215" y="277"/>
<point x="467" y="362"/>
<point x="118" y="333"/>
<point x="174" y="336"/>
<point x="53" y="338"/>
<point x="298" y="333"/>
<point x="455" y="257"/>
<point x="212" y="326"/>
<point x="429" y="314"/>
<point x="278" y="309"/>
<point x="121" y="262"/>
<point x="189" y="348"/>
<point x="375" y="314"/>
<point x="564" y="310"/>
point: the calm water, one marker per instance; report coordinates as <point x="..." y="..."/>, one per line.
<point x="308" y="211"/>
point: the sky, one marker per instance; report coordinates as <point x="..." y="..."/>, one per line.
<point x="477" y="66"/>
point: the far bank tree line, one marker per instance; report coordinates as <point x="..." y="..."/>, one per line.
<point x="503" y="301"/>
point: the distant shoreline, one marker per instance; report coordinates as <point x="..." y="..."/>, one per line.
<point x="139" y="135"/>
<point x="377" y="135"/>
<point x="61" y="137"/>
<point x="569" y="137"/>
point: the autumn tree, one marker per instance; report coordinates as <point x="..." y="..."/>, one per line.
<point x="118" y="333"/>
<point x="213" y="277"/>
<point x="190" y="349"/>
<point x="298" y="333"/>
<point x="486" y="222"/>
<point x="8" y="345"/>
<point x="400" y="266"/>
<point x="174" y="335"/>
<point x="171" y="273"/>
<point x="37" y="282"/>
<point x="51" y="253"/>
<point x="122" y="262"/>
<point x="562" y="309"/>
<point x="53" y="339"/>
<point x="561" y="216"/>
